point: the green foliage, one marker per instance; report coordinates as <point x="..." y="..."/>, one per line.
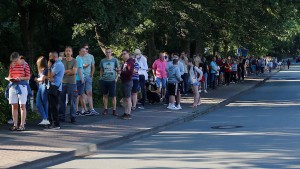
<point x="4" y="106"/>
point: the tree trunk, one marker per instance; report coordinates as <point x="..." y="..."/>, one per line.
<point x="151" y="47"/>
<point x="186" y="47"/>
<point x="99" y="40"/>
<point x="199" y="50"/>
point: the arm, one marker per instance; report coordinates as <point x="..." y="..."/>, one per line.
<point x="154" y="66"/>
<point x="200" y="73"/>
<point x="144" y="64"/>
<point x="92" y="70"/>
<point x="80" y="75"/>
<point x="178" y="75"/>
<point x="71" y="72"/>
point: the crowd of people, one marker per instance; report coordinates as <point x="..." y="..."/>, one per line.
<point x="64" y="79"/>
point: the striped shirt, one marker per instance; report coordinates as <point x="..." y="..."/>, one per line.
<point x="135" y="75"/>
<point x="19" y="70"/>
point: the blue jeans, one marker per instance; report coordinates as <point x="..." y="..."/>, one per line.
<point x="185" y="78"/>
<point x="205" y="80"/>
<point x="42" y="101"/>
<point x="213" y="80"/>
<point x="71" y="90"/>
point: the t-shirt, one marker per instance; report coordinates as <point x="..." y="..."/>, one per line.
<point x="19" y="70"/>
<point x="108" y="68"/>
<point x="135" y="75"/>
<point x="234" y="67"/>
<point x="43" y="73"/>
<point x="160" y="68"/>
<point x="69" y="65"/>
<point x="58" y="70"/>
<point x="80" y="66"/>
<point x="88" y="59"/>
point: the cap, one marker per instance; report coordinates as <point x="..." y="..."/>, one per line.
<point x="137" y="52"/>
<point x="175" y="57"/>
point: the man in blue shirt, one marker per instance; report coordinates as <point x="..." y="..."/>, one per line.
<point x="213" y="71"/>
<point x="55" y="76"/>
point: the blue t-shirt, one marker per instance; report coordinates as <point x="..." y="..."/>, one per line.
<point x="135" y="75"/>
<point x="58" y="69"/>
<point x="88" y="59"/>
<point x="79" y="66"/>
<point x="213" y="66"/>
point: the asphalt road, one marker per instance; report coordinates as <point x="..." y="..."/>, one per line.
<point x="267" y="135"/>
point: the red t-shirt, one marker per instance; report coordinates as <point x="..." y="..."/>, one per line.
<point x="227" y="67"/>
<point x="19" y="70"/>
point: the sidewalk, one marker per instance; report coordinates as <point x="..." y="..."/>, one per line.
<point x="38" y="148"/>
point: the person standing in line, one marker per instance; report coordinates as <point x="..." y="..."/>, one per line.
<point x="213" y="72"/>
<point x="227" y="72"/>
<point x="182" y="69"/>
<point x="135" y="83"/>
<point x="174" y="77"/>
<point x="288" y="63"/>
<point x="234" y="71"/>
<point x="69" y="86"/>
<point x="109" y="66"/>
<point x="42" y="94"/>
<point x="88" y="71"/>
<point x="80" y="85"/>
<point x="184" y="60"/>
<point x="195" y="75"/>
<point x="18" y="91"/>
<point x="55" y="76"/>
<point x="126" y="74"/>
<point x="241" y="70"/>
<point x="204" y="67"/>
<point x="143" y="74"/>
<point x="160" y="74"/>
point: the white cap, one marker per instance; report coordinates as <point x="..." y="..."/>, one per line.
<point x="137" y="52"/>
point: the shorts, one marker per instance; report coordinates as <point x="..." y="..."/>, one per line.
<point x="126" y="88"/>
<point x="108" y="88"/>
<point x="80" y="87"/>
<point x="88" y="84"/>
<point x="162" y="81"/>
<point x="172" y="89"/>
<point x="15" y="98"/>
<point x="136" y="86"/>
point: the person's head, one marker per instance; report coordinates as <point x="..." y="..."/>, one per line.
<point x="204" y="59"/>
<point x="82" y="51"/>
<point x="108" y="52"/>
<point x="182" y="55"/>
<point x="15" y="58"/>
<point x="161" y="55"/>
<point x="138" y="53"/>
<point x="86" y="46"/>
<point x="53" y="56"/>
<point x="175" y="59"/>
<point x="68" y="51"/>
<point x="234" y="61"/>
<point x="125" y="54"/>
<point x="41" y="63"/>
<point x="214" y="58"/>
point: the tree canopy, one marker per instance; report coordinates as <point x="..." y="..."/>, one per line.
<point x="35" y="27"/>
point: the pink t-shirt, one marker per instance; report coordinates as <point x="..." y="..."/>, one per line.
<point x="160" y="68"/>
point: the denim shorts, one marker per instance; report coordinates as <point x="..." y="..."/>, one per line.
<point x="108" y="88"/>
<point x="161" y="82"/>
<point x="88" y="83"/>
<point x="136" y="86"/>
<point x="80" y="87"/>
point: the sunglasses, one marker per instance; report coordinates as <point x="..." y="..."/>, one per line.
<point x="87" y="48"/>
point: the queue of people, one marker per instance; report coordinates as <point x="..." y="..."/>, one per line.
<point x="67" y="79"/>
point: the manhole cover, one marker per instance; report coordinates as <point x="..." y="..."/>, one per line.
<point x="226" y="127"/>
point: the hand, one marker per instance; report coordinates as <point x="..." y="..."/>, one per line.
<point x="91" y="76"/>
<point x="49" y="64"/>
<point x="82" y="81"/>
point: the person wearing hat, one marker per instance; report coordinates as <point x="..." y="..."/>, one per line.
<point x="143" y="74"/>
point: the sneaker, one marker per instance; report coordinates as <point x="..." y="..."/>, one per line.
<point x="115" y="113"/>
<point x="87" y="113"/>
<point x="44" y="122"/>
<point x="173" y="108"/>
<point x="141" y="107"/>
<point x="133" y="108"/>
<point x="127" y="117"/>
<point x="10" y="121"/>
<point x="93" y="112"/>
<point x="78" y="113"/>
<point x="205" y="91"/>
<point x="53" y="127"/>
<point x="121" y="117"/>
<point x="105" y="112"/>
<point x="179" y="107"/>
<point x="199" y="91"/>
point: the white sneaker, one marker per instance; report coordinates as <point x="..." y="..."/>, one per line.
<point x="173" y="108"/>
<point x="179" y="107"/>
<point x="205" y="91"/>
<point x="44" y="122"/>
<point x="199" y="91"/>
<point x="169" y="107"/>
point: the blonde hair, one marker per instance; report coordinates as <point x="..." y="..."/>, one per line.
<point x="41" y="63"/>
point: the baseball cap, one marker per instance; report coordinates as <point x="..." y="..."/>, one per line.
<point x="137" y="52"/>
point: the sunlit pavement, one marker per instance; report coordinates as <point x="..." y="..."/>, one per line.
<point x="269" y="136"/>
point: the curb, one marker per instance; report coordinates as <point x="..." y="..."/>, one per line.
<point x="92" y="147"/>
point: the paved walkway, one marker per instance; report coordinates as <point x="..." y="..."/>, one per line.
<point x="37" y="147"/>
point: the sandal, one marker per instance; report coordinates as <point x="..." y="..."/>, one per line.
<point x="21" y="128"/>
<point x="13" y="128"/>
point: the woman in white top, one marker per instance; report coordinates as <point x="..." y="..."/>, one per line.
<point x="195" y="75"/>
